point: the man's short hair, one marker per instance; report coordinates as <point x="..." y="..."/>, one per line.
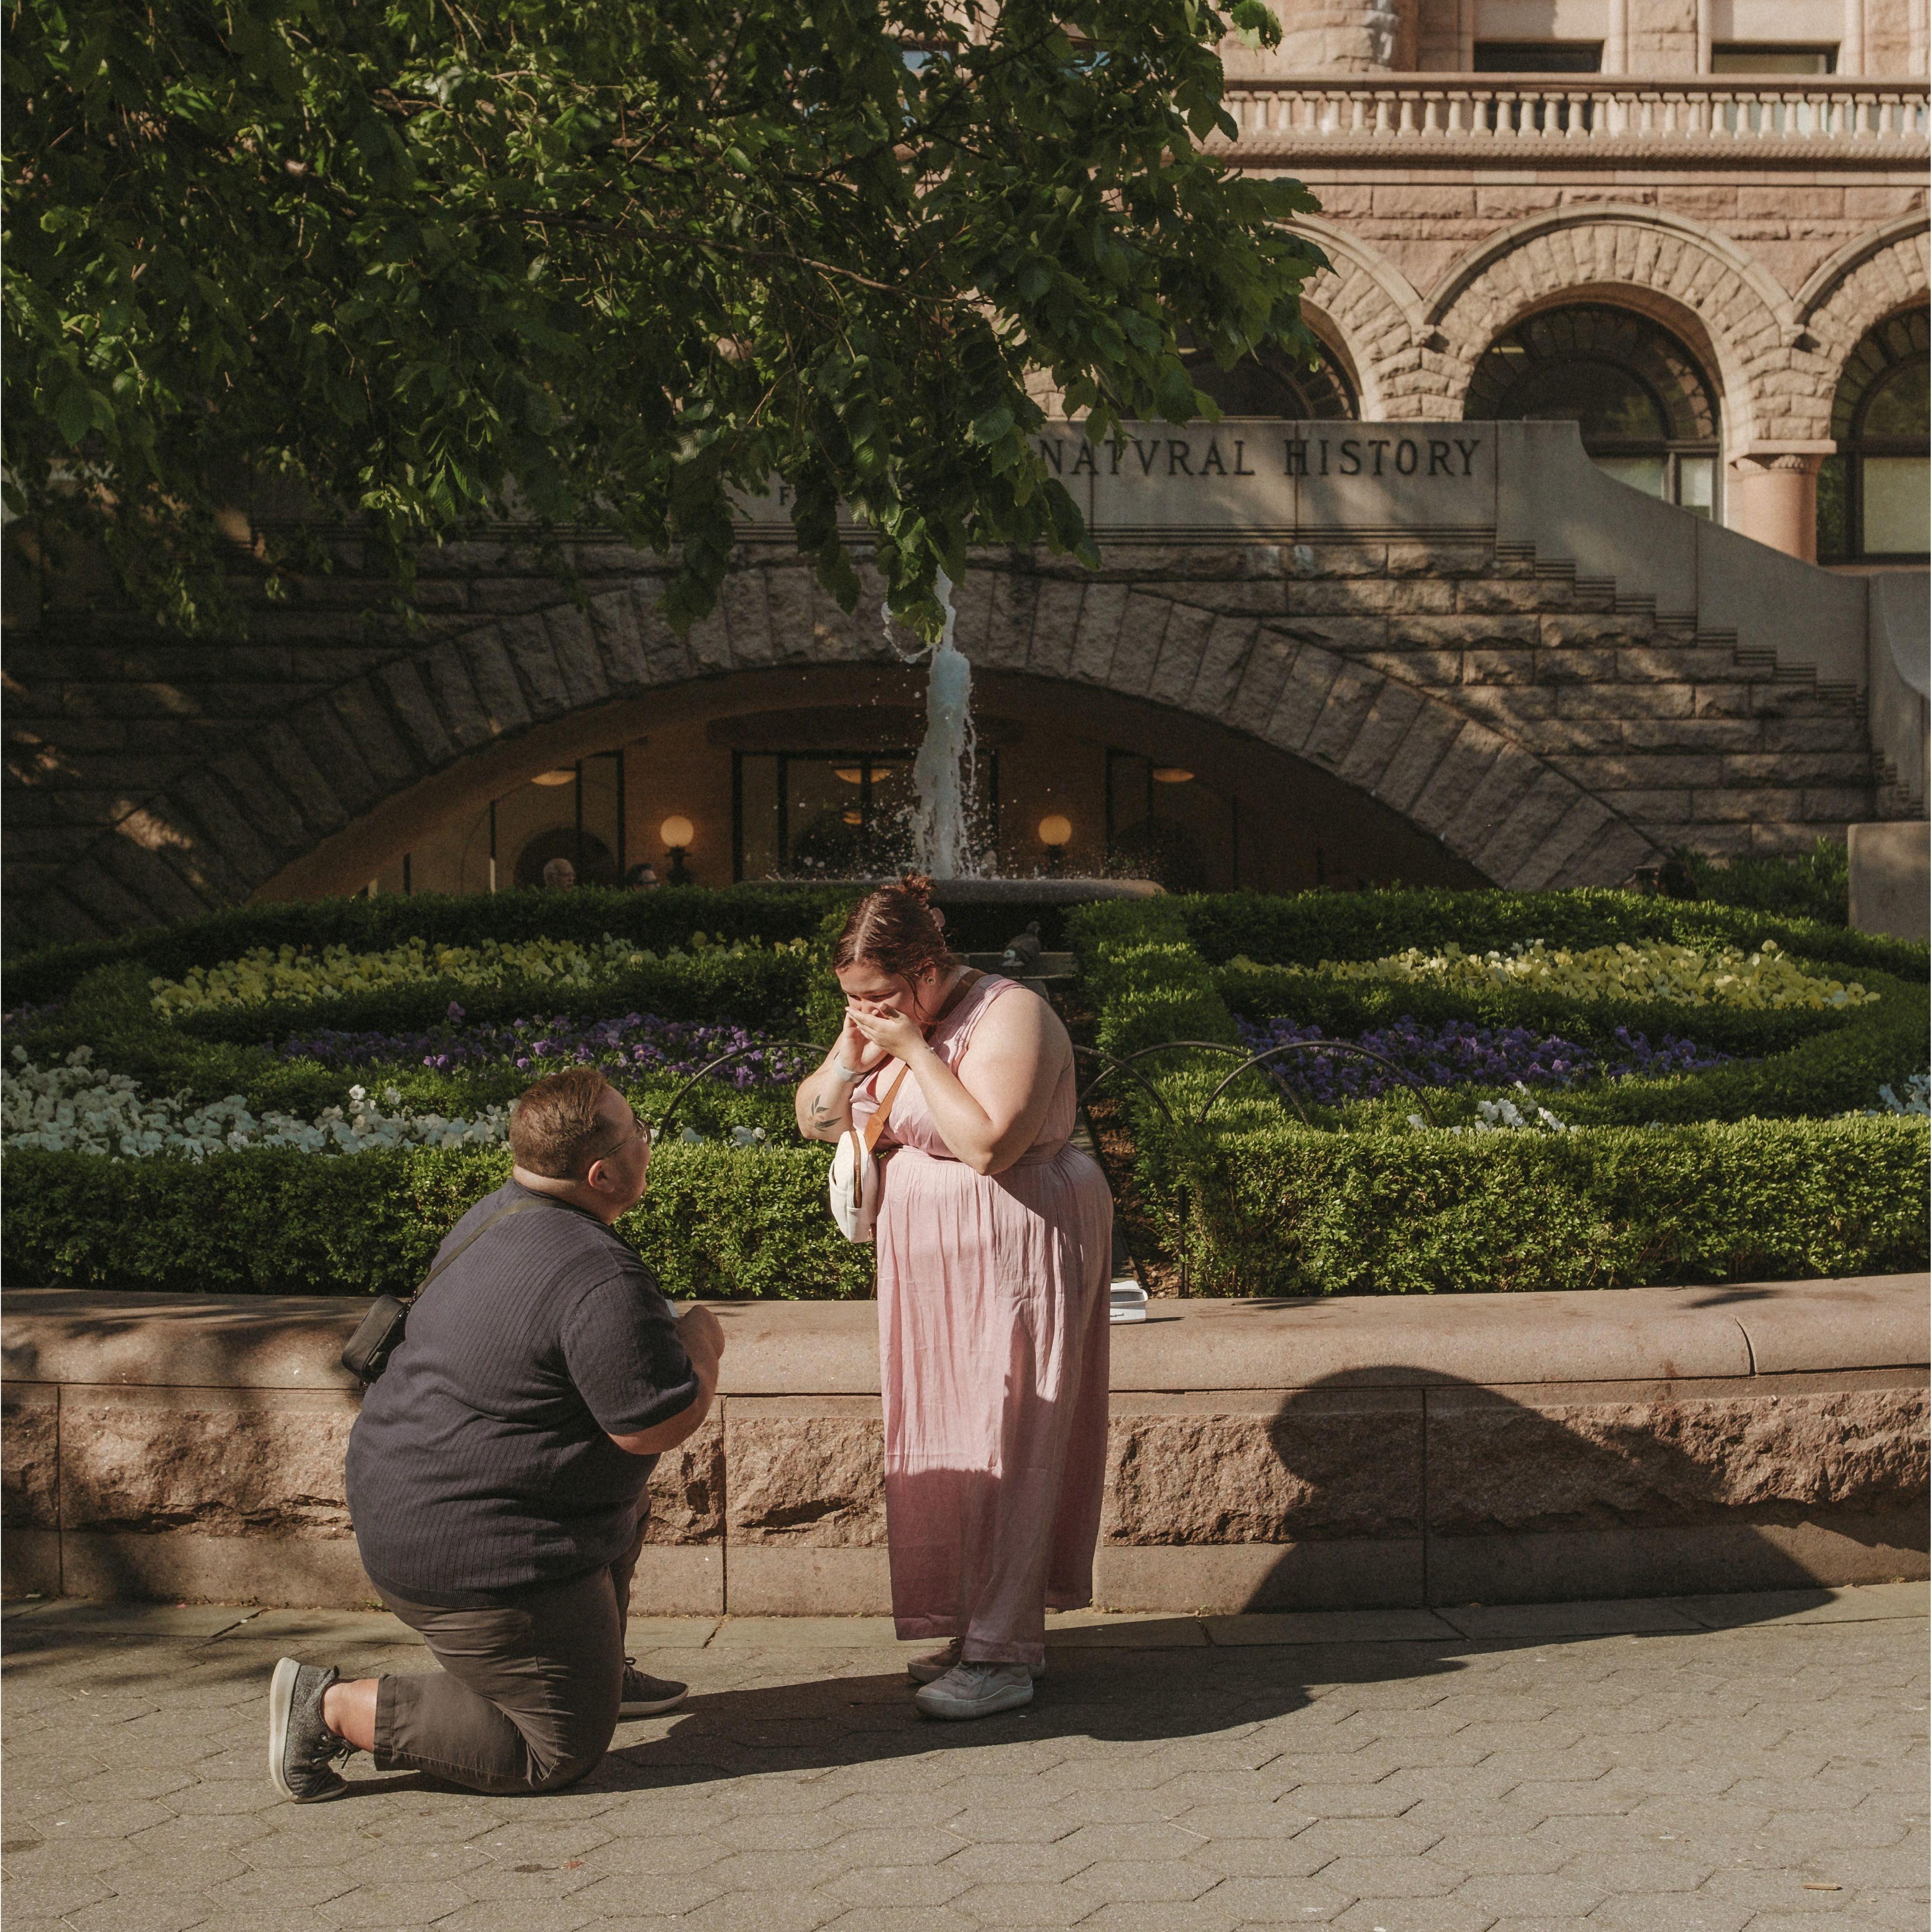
<point x="554" y="1130"/>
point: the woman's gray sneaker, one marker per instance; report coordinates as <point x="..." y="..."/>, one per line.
<point x="930" y="1669"/>
<point x="977" y="1691"/>
<point x="645" y="1696"/>
<point x="302" y="1749"/>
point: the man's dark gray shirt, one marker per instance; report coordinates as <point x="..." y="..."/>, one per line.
<point x="481" y="1465"/>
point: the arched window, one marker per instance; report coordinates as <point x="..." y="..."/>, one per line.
<point x="1270" y="384"/>
<point x="1873" y="495"/>
<point x="1648" y="414"/>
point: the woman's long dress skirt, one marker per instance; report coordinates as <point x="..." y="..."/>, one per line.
<point x="993" y="1305"/>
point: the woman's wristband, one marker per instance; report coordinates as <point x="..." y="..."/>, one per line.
<point x="851" y="1076"/>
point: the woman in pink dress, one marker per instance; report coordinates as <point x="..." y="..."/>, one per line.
<point x="995" y="1243"/>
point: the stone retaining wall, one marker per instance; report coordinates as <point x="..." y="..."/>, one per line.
<point x="1355" y="1452"/>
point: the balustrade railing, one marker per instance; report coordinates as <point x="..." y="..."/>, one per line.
<point x="1484" y="111"/>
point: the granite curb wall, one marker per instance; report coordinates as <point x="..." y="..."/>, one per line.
<point x="1264" y="1455"/>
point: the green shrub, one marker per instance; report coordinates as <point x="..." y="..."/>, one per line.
<point x="660" y="920"/>
<point x="1254" y="1203"/>
<point x="1304" y="928"/>
<point x="1143" y="976"/>
<point x="712" y="986"/>
<point x="723" y="1223"/>
<point x="1283" y="1211"/>
<point x="1800" y="1063"/>
<point x="1810" y="885"/>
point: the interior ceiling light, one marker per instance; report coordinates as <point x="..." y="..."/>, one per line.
<point x="852" y="775"/>
<point x="854" y="817"/>
<point x="554" y="779"/>
<point x="1172" y="775"/>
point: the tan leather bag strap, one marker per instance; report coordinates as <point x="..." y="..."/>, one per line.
<point x="876" y="1126"/>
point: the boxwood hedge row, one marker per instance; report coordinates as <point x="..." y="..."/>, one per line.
<point x="1735" y="1172"/>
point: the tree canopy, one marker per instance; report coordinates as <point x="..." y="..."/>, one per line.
<point x="597" y="265"/>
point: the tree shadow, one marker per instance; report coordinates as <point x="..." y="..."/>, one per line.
<point x="1406" y="1486"/>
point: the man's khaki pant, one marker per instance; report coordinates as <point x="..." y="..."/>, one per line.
<point x="527" y="1696"/>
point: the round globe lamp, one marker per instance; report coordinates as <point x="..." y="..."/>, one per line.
<point x="1056" y="833"/>
<point x="677" y="832"/>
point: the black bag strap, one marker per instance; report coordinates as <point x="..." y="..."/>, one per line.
<point x="469" y="1241"/>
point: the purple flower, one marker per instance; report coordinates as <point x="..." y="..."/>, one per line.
<point x="641" y="1042"/>
<point x="1460" y="1053"/>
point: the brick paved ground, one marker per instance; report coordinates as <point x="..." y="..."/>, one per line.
<point x="1579" y="1769"/>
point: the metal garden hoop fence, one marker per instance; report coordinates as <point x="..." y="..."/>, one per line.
<point x="724" y="1059"/>
<point x="1249" y="1063"/>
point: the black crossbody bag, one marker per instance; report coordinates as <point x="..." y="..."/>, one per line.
<point x="380" y="1332"/>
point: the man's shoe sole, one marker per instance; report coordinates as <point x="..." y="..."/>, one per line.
<point x="651" y="1710"/>
<point x="281" y="1697"/>
<point x="1014" y="1699"/>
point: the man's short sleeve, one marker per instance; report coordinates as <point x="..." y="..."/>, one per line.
<point x="621" y="1347"/>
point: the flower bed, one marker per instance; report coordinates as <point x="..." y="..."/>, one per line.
<point x="314" y="1123"/>
<point x="314" y="1117"/>
<point x="1761" y="1144"/>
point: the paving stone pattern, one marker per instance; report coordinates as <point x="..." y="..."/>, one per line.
<point x="1697" y="1766"/>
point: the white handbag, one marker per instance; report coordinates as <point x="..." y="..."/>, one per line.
<point x="854" y="1182"/>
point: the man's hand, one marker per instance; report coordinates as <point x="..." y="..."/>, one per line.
<point x="703" y="1335"/>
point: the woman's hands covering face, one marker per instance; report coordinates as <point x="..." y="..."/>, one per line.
<point x="884" y="1029"/>
<point x="855" y="1049"/>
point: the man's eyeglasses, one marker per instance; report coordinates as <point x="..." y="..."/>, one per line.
<point x="640" y="1130"/>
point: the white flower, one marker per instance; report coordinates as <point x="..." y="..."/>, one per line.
<point x="75" y="1107"/>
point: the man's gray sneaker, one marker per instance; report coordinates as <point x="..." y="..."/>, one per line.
<point x="302" y="1749"/>
<point x="930" y="1669"/>
<point x="645" y="1696"/>
<point x="977" y="1691"/>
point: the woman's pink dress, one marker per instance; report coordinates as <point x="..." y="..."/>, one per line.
<point x="993" y="1313"/>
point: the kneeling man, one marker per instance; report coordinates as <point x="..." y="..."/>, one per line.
<point x="497" y="1475"/>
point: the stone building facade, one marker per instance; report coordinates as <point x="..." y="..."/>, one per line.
<point x="1696" y="228"/>
<point x="1740" y="185"/>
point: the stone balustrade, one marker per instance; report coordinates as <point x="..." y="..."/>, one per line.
<point x="1318" y="1454"/>
<point x="1541" y="118"/>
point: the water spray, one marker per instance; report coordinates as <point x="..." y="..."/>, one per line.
<point x="943" y="772"/>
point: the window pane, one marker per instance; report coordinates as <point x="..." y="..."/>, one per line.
<point x="1834" y="536"/>
<point x="758" y="821"/>
<point x="1539" y="56"/>
<point x="1641" y="472"/>
<point x="1773" y="60"/>
<point x="1602" y="400"/>
<point x="1897" y="516"/>
<point x="1901" y="407"/>
<point x="1697" y="484"/>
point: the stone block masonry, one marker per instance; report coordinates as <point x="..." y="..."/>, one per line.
<point x="1403" y="669"/>
<point x="1359" y="1453"/>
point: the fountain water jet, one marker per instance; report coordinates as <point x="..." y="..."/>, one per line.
<point x="942" y="781"/>
<point x="943" y="772"/>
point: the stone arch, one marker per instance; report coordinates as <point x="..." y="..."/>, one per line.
<point x="1375" y="311"/>
<point x="1859" y="288"/>
<point x="352" y="766"/>
<point x="1693" y="278"/>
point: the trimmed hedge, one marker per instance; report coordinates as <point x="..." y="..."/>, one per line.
<point x="1282" y="1211"/>
<point x="1256" y="1204"/>
<point x="723" y="1223"/>
<point x="1794" y="1063"/>
<point x="659" y="920"/>
<point x="1304" y="928"/>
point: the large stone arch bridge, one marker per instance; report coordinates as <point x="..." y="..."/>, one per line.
<point x="1458" y="644"/>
